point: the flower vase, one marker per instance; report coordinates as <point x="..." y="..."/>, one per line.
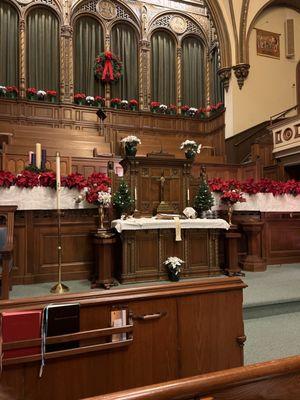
<point x="190" y="154"/>
<point x="230" y="213"/>
<point x="52" y="99"/>
<point x="133" y="108"/>
<point x="101" y="218"/>
<point x="171" y="275"/>
<point x="130" y="150"/>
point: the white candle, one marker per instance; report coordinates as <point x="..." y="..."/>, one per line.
<point x="38" y="152"/>
<point x="29" y="156"/>
<point x="58" y="180"/>
<point x="135" y="194"/>
<point x="188" y="194"/>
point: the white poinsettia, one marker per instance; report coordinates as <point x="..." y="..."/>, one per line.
<point x="131" y="139"/>
<point x="3" y="89"/>
<point x="192" y="110"/>
<point x="124" y="102"/>
<point x="163" y="107"/>
<point x="41" y="93"/>
<point x="89" y="99"/>
<point x="174" y="263"/>
<point x="104" y="198"/>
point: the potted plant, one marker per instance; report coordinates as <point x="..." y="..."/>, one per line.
<point x="124" y="104"/>
<point x="173" y="265"/>
<point x="191" y="148"/>
<point x="41" y="94"/>
<point x="192" y="111"/>
<point x="230" y="197"/>
<point x="133" y="104"/>
<point x="115" y="103"/>
<point x="154" y="106"/>
<point x="12" y="92"/>
<point x="79" y="98"/>
<point x="99" y="101"/>
<point x="130" y="143"/>
<point x="90" y="100"/>
<point x="31" y="93"/>
<point x="52" y="95"/>
<point x="172" y="109"/>
<point x="184" y="109"/>
<point x="163" y="108"/>
<point x="3" y="90"/>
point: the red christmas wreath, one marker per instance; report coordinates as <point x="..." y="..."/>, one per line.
<point x="108" y="67"/>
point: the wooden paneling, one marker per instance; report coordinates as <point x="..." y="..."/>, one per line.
<point x="35" y="251"/>
<point x="168" y="321"/>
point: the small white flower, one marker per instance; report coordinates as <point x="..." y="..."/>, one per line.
<point x="131" y="139"/>
<point x="89" y="99"/>
<point x="124" y="102"/>
<point x="41" y="93"/>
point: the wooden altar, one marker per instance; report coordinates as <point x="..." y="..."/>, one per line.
<point x="143" y="247"/>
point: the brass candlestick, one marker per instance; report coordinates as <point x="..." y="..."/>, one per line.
<point x="59" y="288"/>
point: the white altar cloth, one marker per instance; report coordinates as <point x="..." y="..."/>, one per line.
<point x="263" y="202"/>
<point x="41" y="198"/>
<point x="134" y="224"/>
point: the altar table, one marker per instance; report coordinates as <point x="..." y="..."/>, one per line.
<point x="145" y="243"/>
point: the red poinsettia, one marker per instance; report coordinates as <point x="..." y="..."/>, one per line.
<point x="116" y="101"/>
<point x="79" y="96"/>
<point x="232" y="197"/>
<point x="100" y="99"/>
<point x="172" y="108"/>
<point x="31" y="91"/>
<point x="154" y="105"/>
<point x="133" y="103"/>
<point x="12" y="89"/>
<point x="27" y="179"/>
<point x="7" y="179"/>
<point x="74" y="181"/>
<point x="97" y="180"/>
<point x="48" y="179"/>
<point x="52" y="93"/>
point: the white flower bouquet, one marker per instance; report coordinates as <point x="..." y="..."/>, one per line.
<point x="163" y="108"/>
<point x="192" y="111"/>
<point x="190" y="145"/>
<point x="173" y="265"/>
<point x="131" y="140"/>
<point x="104" y="199"/>
<point x="41" y="94"/>
<point x="89" y="99"/>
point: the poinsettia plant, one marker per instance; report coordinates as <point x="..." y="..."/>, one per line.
<point x="133" y="103"/>
<point x="47" y="179"/>
<point x="27" y="179"/>
<point x="79" y="97"/>
<point x="115" y="102"/>
<point x="7" y="179"/>
<point x="184" y="108"/>
<point x="97" y="185"/>
<point x="12" y="89"/>
<point x="51" y="93"/>
<point x="31" y="91"/>
<point x="100" y="100"/>
<point x="231" y="197"/>
<point x="74" y="181"/>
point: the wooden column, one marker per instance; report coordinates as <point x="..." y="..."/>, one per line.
<point x="22" y="77"/>
<point x="232" y="267"/>
<point x="144" y="76"/>
<point x="66" y="70"/>
<point x="179" y="77"/>
<point x="104" y="256"/>
<point x="253" y="261"/>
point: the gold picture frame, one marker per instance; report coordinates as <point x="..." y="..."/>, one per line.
<point x="267" y="44"/>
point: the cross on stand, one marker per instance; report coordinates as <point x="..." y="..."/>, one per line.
<point x="164" y="206"/>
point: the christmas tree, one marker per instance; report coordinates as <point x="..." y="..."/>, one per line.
<point x="204" y="199"/>
<point x="122" y="200"/>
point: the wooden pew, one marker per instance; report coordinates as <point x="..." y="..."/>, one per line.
<point x="169" y="336"/>
<point x="273" y="380"/>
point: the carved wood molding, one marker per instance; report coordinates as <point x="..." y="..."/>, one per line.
<point x="225" y="76"/>
<point x="241" y="72"/>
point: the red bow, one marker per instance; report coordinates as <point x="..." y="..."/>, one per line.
<point x="108" y="69"/>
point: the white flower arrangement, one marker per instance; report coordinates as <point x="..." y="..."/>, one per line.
<point x="41" y="93"/>
<point x="192" y="110"/>
<point x="89" y="99"/>
<point x="174" y="264"/>
<point x="191" y="145"/>
<point x="131" y="139"/>
<point x="3" y="89"/>
<point x="163" y="107"/>
<point x="104" y="198"/>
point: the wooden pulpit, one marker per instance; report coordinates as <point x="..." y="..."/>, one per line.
<point x="158" y="183"/>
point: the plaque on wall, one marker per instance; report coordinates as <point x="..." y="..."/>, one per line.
<point x="107" y="9"/>
<point x="178" y="24"/>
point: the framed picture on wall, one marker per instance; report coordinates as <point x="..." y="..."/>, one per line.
<point x="267" y="44"/>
